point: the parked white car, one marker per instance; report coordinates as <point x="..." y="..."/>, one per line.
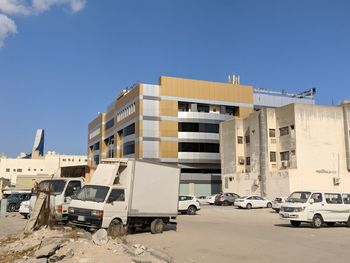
<point x="211" y="199"/>
<point x="277" y="203"/>
<point x="252" y="201"/>
<point x="203" y="200"/>
<point x="188" y="204"/>
<point x="317" y="207"/>
<point x="24" y="209"/>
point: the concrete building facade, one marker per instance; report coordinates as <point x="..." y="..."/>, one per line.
<point x="177" y="122"/>
<point x="276" y="151"/>
<point x="24" y="172"/>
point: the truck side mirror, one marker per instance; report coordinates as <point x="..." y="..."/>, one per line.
<point x="312" y="201"/>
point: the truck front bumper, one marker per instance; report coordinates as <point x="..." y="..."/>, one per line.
<point x="86" y="221"/>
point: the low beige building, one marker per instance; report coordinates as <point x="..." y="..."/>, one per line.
<point x="276" y="151"/>
<point x="23" y="173"/>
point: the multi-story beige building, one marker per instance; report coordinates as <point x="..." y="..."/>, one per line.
<point x="177" y="122"/>
<point x="274" y="152"/>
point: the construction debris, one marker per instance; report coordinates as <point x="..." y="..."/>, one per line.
<point x="65" y="244"/>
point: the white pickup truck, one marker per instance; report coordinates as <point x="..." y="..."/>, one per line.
<point x="127" y="193"/>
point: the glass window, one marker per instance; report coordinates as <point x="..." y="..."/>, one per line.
<point x="284" y="131"/>
<point x="247" y="160"/>
<point x="183" y="106"/>
<point x="7" y="170"/>
<point x="185" y="198"/>
<point x="94" y="193"/>
<point x="72" y="188"/>
<point x="19" y="170"/>
<point x="247" y="139"/>
<point x="129" y="130"/>
<point x="272" y="156"/>
<point x="117" y="195"/>
<point x="317" y="197"/>
<point x="198" y="147"/>
<point x="56" y="186"/>
<point x="198" y="127"/>
<point x="95" y="147"/>
<point x="298" y="197"/>
<point x="129" y="148"/>
<point x="333" y="198"/>
<point x="240" y="139"/>
<point x="203" y="108"/>
<point x="272" y="133"/>
<point x="110" y="124"/>
<point x="346" y="198"/>
<point x="96" y="159"/>
<point x="230" y="110"/>
<point x="284" y="156"/>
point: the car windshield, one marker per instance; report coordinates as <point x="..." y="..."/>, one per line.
<point x="298" y="197"/>
<point x="94" y="193"/>
<point x="56" y="186"/>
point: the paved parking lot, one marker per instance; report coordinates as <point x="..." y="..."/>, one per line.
<point x="227" y="234"/>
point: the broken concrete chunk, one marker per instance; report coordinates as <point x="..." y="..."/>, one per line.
<point x="161" y="255"/>
<point x="100" y="237"/>
<point x="47" y="251"/>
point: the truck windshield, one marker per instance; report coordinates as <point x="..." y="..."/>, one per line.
<point x="56" y="186"/>
<point x="298" y="197"/>
<point x="94" y="193"/>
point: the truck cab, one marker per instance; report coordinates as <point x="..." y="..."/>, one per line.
<point x="61" y="192"/>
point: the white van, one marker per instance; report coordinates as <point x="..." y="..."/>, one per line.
<point x="127" y="193"/>
<point x="317" y="207"/>
<point x="62" y="190"/>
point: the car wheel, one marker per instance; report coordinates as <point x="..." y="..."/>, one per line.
<point x="317" y="221"/>
<point x="277" y="211"/>
<point x="269" y="205"/>
<point x="225" y="203"/>
<point x="12" y="208"/>
<point x="330" y="223"/>
<point x="115" y="228"/>
<point x="157" y="226"/>
<point x="191" y="210"/>
<point x="249" y="206"/>
<point x="348" y="222"/>
<point x="295" y="223"/>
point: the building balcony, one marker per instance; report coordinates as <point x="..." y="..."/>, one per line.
<point x="198" y="136"/>
<point x="184" y="115"/>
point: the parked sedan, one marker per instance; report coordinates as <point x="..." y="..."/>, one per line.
<point x="14" y="201"/>
<point x="188" y="204"/>
<point x="252" y="201"/>
<point x="276" y="205"/>
<point x="226" y="198"/>
<point x="24" y="209"/>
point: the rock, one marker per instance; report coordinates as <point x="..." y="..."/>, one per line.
<point x="100" y="237"/>
<point x="161" y="255"/>
<point x="65" y="252"/>
<point x="85" y="235"/>
<point x="48" y="250"/>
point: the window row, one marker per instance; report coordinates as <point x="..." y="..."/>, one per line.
<point x="129" y="130"/>
<point x="198" y="147"/>
<point x="126" y="112"/>
<point x="128" y="148"/>
<point x="110" y="124"/>
<point x="19" y="170"/>
<point x="198" y="127"/>
<point x="200" y="107"/>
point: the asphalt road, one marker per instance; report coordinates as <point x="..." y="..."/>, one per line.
<point x="227" y="234"/>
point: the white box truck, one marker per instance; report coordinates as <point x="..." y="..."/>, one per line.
<point x="127" y="193"/>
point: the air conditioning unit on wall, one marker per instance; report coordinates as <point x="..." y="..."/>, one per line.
<point x="285" y="164"/>
<point x="336" y="180"/>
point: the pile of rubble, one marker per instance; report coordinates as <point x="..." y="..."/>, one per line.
<point x="74" y="245"/>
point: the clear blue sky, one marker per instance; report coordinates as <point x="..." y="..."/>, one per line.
<point x="61" y="68"/>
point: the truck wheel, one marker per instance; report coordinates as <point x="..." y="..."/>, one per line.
<point x="115" y="228"/>
<point x="191" y="210"/>
<point x="317" y="221"/>
<point x="157" y="226"/>
<point x="12" y="208"/>
<point x="295" y="223"/>
<point x="249" y="206"/>
<point x="269" y="205"/>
